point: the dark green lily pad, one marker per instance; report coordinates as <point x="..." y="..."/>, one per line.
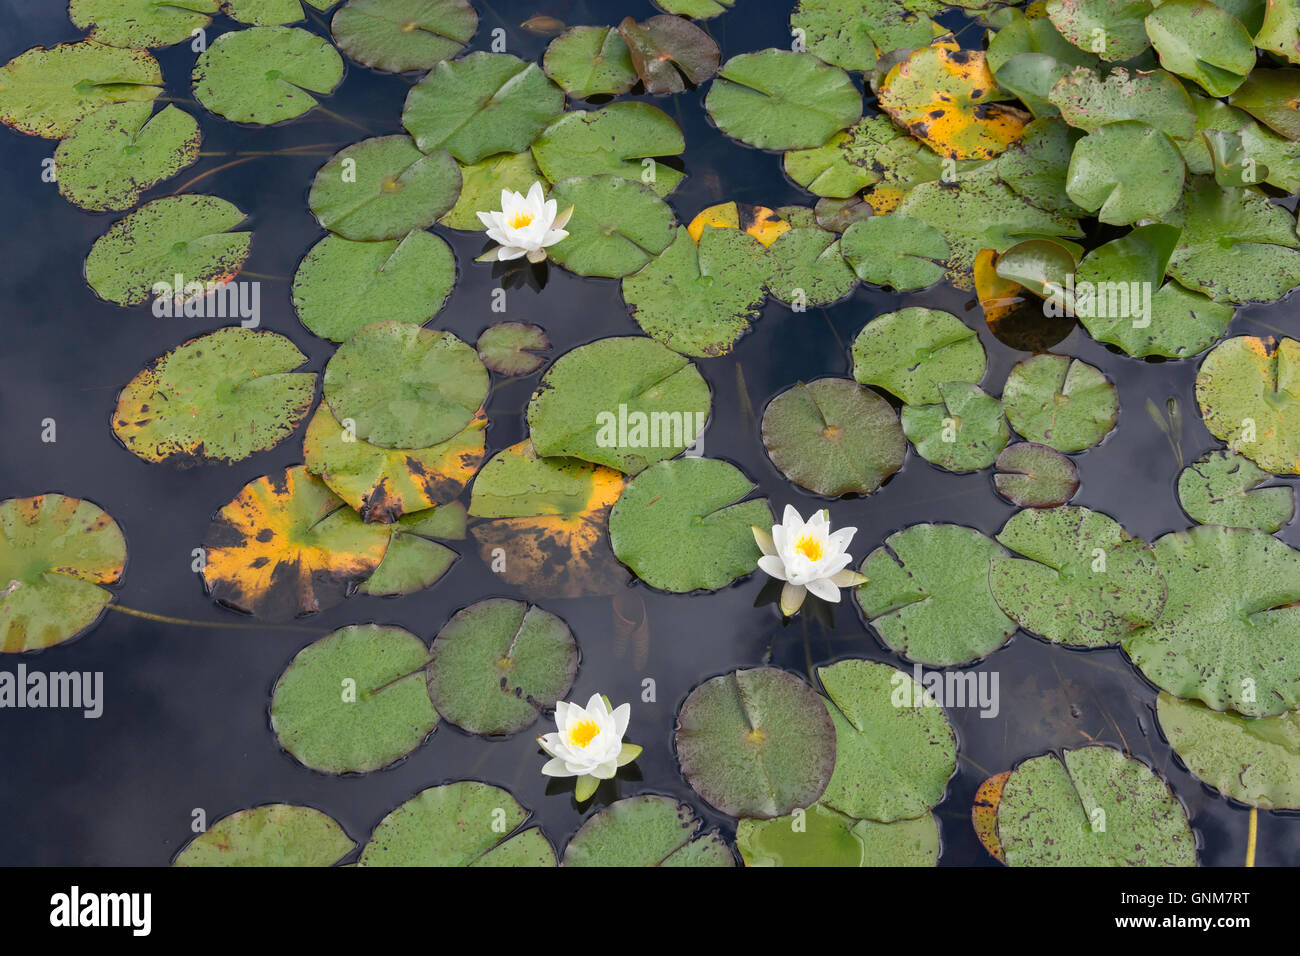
<point x="496" y="665"/>
<point x="404" y="386"/>
<point x="612" y="140"/>
<point x="354" y="701"/>
<point x="777" y="99"/>
<point x="1036" y="165"/>
<point x="141" y="23"/>
<point x="56" y="553"/>
<point x="852" y="34"/>
<point x="1280" y="31"/>
<point x="186" y="235"/>
<point x="1202" y="42"/>
<point x="646" y="830"/>
<point x="481" y="185"/>
<point x="1249" y="396"/>
<point x="1222" y="487"/>
<point x="911" y="351"/>
<point x="1256" y="761"/>
<point x="589" y="61"/>
<point x="1118" y="26"/>
<point x="894" y="748"/>
<point x="1095" y="807"/>
<point x="415" y="559"/>
<point x="756" y="743"/>
<point x="833" y="437"/>
<point x="383" y="188"/>
<point x="265" y="74"/>
<point x="1271" y="96"/>
<point x="682" y="526"/>
<point x="400" y="35"/>
<point x="1089" y="102"/>
<point x="825" y="837"/>
<point x="513" y="348"/>
<point x="897" y="251"/>
<point x="481" y="104"/>
<point x="1125" y="171"/>
<point x="277" y="834"/>
<point x="1035" y="476"/>
<point x="927" y="595"/>
<point x="618" y="225"/>
<point x="1059" y="401"/>
<point x="626" y="402"/>
<point x="465" y="823"/>
<point x="669" y="52"/>
<point x="964" y="432"/>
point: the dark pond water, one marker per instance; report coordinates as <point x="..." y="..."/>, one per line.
<point x="185" y="717"/>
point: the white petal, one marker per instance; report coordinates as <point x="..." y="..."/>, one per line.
<point x="622" y="714"/>
<point x="506" y="253"/>
<point x="596" y="708"/>
<point x="487" y="218"/>
<point x="774" y="566"/>
<point x="555" y="767"/>
<point x="605" y="770"/>
<point x="822" y="588"/>
<point x="791" y="518"/>
<point x="536" y="196"/>
<point x="554" y="236"/>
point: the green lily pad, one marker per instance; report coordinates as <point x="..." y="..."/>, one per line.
<point x="1093" y="807"/>
<point x="808" y="268"/>
<point x="845" y="163"/>
<point x="338" y="282"/>
<point x="911" y="351"/>
<point x="1222" y="487"/>
<point x="590" y="61"/>
<point x="833" y="437"/>
<point x="1228" y="627"/>
<point x="682" y="526"/>
<point x="481" y="185"/>
<point x="1256" y="761"/>
<point x="1082" y="581"/>
<point x="400" y="35"/>
<point x="625" y="402"/>
<point x="1249" y="396"/>
<point x="513" y="348"/>
<point x="1118" y="27"/>
<point x="964" y="432"/>
<point x="186" y="235"/>
<point x="1089" y="102"/>
<point x="383" y="188"/>
<point x="415" y="559"/>
<point x="497" y="664"/>
<point x="1202" y="42"/>
<point x="1040" y="265"/>
<point x="47" y="92"/>
<point x="218" y="397"/>
<point x="270" y="12"/>
<point x="667" y="52"/>
<point x="404" y="386"/>
<point x="700" y="299"/>
<point x="618" y="225"/>
<point x="1059" y="401"/>
<point x="265" y="74"/>
<point x="56" y="553"/>
<point x="121" y="150"/>
<point x="382" y="484"/>
<point x="777" y="99"/>
<point x="825" y="837"/>
<point x="277" y="834"/>
<point x="695" y="9"/>
<point x="852" y="34"/>
<point x="1035" y="476"/>
<point x="354" y="701"/>
<point x="141" y="23"/>
<point x="646" y="830"/>
<point x="928" y="597"/>
<point x="1125" y="171"/>
<point x="612" y="140"/>
<point x="755" y="743"/>
<point x="481" y="104"/>
<point x="894" y="748"/>
<point x="897" y="251"/>
<point x="1036" y="165"/>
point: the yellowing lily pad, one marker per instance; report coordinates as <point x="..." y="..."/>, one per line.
<point x="765" y="225"/>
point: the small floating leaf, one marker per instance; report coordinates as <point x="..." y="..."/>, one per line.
<point x="1035" y="476"/>
<point x="1272" y="97"/>
<point x="512" y="348"/>
<point x="845" y="163"/>
<point x="984" y="813"/>
<point x="265" y="74"/>
<point x="646" y="830"/>
<point x="829" y="838"/>
<point x="911" y="351"/>
<point x="414" y="559"/>
<point x="1249" y="395"/>
<point x="963" y="432"/>
<point x="1037" y="164"/>
<point x="1222" y="487"/>
<point x="1059" y="401"/>
<point x="400" y="35"/>
<point x="590" y="61"/>
<point x="808" y="268"/>
<point x="897" y="251"/>
<point x="612" y="140"/>
<point x="277" y="834"/>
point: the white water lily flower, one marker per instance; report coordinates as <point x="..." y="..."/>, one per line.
<point x="524" y="226"/>
<point x="588" y="743"/>
<point x="808" y="557"/>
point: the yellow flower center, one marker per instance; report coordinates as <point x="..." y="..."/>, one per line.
<point x="810" y="547"/>
<point x="521" y="219"/>
<point x="583" y="733"/>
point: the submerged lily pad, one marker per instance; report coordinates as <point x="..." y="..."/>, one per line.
<point x="141" y="23"/>
<point x="590" y="61"/>
<point x="186" y="235"/>
<point x="625" y="402"/>
<point x="1222" y="487"/>
<point x="120" y="150"/>
<point x="513" y="348"/>
<point x="646" y="830"/>
<point x="354" y="701"/>
<point x="403" y="386"/>
<point x="778" y="99"/>
<point x="1256" y="761"/>
<point x="400" y="35"/>
<point x="755" y="743"/>
<point x="618" y="225"/>
<point x="1035" y="476"/>
<point x="928" y="597"/>
<point x="1059" y="401"/>
<point x="1230" y="621"/>
<point x="481" y="104"/>
<point x="825" y="837"/>
<point x="1082" y="581"/>
<point x="277" y="834"/>
<point x="911" y="351"/>
<point x="496" y="665"/>
<point x="218" y="397"/>
<point x="682" y="526"/>
<point x="46" y="92"/>
<point x="964" y="432"/>
<point x="894" y="748"/>
<point x="265" y="74"/>
<point x="833" y="437"/>
<point x="415" y="559"/>
<point x="465" y="823"/>
<point x="615" y="140"/>
<point x="1248" y="391"/>
<point x="1093" y="807"/>
<point x="286" y="546"/>
<point x="56" y="553"/>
